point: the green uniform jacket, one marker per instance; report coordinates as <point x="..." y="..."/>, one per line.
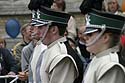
<point x="17" y="52"/>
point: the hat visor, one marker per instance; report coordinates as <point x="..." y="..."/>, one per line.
<point x="41" y="23"/>
<point x="90" y="30"/>
<point x="33" y="22"/>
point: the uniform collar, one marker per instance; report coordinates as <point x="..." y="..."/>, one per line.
<point x="38" y="42"/>
<point x="106" y="52"/>
<point x="63" y="39"/>
<point x="23" y="43"/>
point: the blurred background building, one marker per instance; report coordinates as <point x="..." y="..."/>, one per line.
<point x="18" y="10"/>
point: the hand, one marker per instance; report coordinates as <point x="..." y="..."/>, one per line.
<point x="11" y="73"/>
<point x="23" y="75"/>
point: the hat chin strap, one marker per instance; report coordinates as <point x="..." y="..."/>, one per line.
<point x="97" y="37"/>
<point x="45" y="32"/>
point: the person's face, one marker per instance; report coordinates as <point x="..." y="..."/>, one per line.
<point x="58" y="5"/>
<point x="2" y="45"/>
<point x="50" y="34"/>
<point x="96" y="47"/>
<point x="80" y="34"/>
<point x="113" y="6"/>
<point x="45" y="34"/>
<point x="54" y="6"/>
<point x="28" y="33"/>
<point x="59" y="1"/>
<point x="35" y="32"/>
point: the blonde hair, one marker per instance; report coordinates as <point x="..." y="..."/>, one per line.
<point x="105" y="5"/>
<point x="23" y="28"/>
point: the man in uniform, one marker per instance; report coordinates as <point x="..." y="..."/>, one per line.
<point x="59" y="63"/>
<point x="102" y="36"/>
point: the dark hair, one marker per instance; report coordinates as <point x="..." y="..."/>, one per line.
<point x="64" y="5"/>
<point x="36" y="4"/>
<point x="87" y="5"/>
<point x="114" y="39"/>
<point x="61" y="27"/>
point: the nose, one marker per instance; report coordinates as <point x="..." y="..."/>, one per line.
<point x="1" y="44"/>
<point x="79" y="35"/>
<point x="85" y="38"/>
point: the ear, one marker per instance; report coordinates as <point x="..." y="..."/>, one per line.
<point x="23" y="32"/>
<point x="54" y="29"/>
<point x="106" y="37"/>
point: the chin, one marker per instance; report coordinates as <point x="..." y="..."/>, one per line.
<point x="88" y="49"/>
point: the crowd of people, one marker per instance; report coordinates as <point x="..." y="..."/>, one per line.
<point x="54" y="50"/>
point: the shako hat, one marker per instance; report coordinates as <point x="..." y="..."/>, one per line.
<point x="35" y="5"/>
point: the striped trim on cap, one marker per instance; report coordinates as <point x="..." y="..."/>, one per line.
<point x="98" y="19"/>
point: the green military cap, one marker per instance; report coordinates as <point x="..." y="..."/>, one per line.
<point x="96" y="20"/>
<point x="46" y="15"/>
